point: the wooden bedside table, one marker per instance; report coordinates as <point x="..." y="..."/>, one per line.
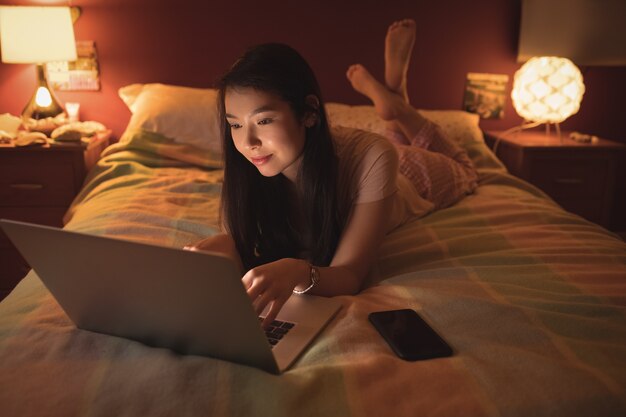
<point x="581" y="177"/>
<point x="37" y="185"/>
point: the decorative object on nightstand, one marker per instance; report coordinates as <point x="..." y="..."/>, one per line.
<point x="37" y="184"/>
<point x="547" y="90"/>
<point x="73" y="110"/>
<point x="36" y="35"/>
<point x="9" y="126"/>
<point x="77" y="132"/>
<point x="581" y="177"/>
<point x="31" y="139"/>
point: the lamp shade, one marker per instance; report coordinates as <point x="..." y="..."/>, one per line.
<point x="547" y="89"/>
<point x="31" y="35"/>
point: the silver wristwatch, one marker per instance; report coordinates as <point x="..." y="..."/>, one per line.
<point x="314" y="274"/>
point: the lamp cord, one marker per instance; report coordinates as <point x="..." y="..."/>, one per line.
<point x="514" y="129"/>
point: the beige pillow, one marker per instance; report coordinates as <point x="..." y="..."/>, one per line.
<point x="458" y="125"/>
<point x="184" y="114"/>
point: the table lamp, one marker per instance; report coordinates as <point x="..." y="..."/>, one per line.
<point x="36" y="35"/>
<point x="547" y="89"/>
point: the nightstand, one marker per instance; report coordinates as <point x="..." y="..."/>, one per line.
<point x="37" y="185"/>
<point x="581" y="177"/>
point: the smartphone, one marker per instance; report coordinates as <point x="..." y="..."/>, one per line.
<point x="410" y="337"/>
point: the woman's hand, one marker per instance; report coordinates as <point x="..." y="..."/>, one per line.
<point x="273" y="283"/>
<point x="216" y="243"/>
<point x="221" y="243"/>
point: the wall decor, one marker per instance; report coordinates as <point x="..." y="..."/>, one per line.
<point x="80" y="75"/>
<point x="485" y="94"/>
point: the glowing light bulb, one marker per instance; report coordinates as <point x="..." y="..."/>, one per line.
<point x="547" y="89"/>
<point x="43" y="97"/>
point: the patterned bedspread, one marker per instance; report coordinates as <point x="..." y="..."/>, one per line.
<point x="531" y="298"/>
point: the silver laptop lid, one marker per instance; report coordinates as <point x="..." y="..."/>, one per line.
<point x="161" y="296"/>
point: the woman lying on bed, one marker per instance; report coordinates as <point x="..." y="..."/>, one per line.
<point x="305" y="208"/>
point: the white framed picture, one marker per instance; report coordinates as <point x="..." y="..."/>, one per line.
<point x="80" y="75"/>
<point x="485" y="94"/>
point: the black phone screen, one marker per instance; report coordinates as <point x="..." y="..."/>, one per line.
<point x="410" y="337"/>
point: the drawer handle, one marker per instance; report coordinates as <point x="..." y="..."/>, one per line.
<point x="27" y="186"/>
<point x="569" y="181"/>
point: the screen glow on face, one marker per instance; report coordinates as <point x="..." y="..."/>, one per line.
<point x="266" y="131"/>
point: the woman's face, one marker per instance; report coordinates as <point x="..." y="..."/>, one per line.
<point x="266" y="131"/>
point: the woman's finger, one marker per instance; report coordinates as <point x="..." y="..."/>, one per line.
<point x="254" y="290"/>
<point x="253" y="284"/>
<point x="262" y="301"/>
<point x="273" y="311"/>
<point x="247" y="280"/>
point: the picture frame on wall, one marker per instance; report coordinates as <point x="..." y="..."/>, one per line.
<point x="80" y="75"/>
<point x="485" y="94"/>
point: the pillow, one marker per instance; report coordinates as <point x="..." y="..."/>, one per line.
<point x="184" y="114"/>
<point x="458" y="125"/>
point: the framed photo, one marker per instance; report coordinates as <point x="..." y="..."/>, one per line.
<point x="485" y="94"/>
<point x="80" y="75"/>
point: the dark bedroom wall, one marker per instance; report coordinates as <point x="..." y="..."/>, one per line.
<point x="192" y="42"/>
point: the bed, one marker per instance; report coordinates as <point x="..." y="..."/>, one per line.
<point x="531" y="298"/>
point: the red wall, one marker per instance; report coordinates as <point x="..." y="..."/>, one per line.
<point x="192" y="44"/>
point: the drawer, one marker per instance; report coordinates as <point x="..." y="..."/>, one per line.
<point x="571" y="177"/>
<point x="35" y="179"/>
<point x="51" y="216"/>
<point x="591" y="209"/>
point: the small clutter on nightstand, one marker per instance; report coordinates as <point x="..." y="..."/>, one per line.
<point x="9" y="126"/>
<point x="52" y="131"/>
<point x="44" y="125"/>
<point x="30" y="139"/>
<point x="76" y="132"/>
<point x="583" y="137"/>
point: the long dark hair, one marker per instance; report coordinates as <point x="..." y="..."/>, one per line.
<point x="255" y="208"/>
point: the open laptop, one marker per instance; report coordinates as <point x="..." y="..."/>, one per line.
<point x="191" y="302"/>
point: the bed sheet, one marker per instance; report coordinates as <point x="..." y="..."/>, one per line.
<point x="531" y="298"/>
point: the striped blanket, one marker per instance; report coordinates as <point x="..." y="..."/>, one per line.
<point x="531" y="298"/>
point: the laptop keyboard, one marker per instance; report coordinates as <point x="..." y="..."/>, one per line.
<point x="277" y="330"/>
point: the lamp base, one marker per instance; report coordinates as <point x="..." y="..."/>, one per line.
<point x="34" y="111"/>
<point x="43" y="103"/>
<point x="527" y="125"/>
<point x="557" y="129"/>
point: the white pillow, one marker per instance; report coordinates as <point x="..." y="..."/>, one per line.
<point x="184" y="114"/>
<point x="458" y="125"/>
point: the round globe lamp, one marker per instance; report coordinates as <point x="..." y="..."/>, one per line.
<point x="547" y="89"/>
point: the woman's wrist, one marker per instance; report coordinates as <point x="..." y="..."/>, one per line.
<point x="311" y="279"/>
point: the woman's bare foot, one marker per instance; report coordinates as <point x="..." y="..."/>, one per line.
<point x="398" y="48"/>
<point x="388" y="104"/>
